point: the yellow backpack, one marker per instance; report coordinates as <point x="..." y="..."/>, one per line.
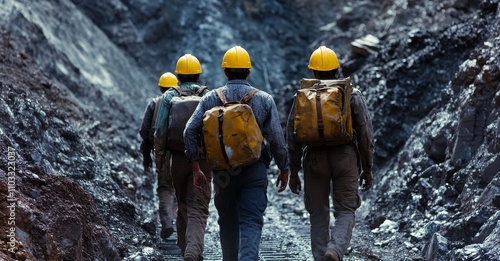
<point x="231" y="135"/>
<point x="323" y="112"/>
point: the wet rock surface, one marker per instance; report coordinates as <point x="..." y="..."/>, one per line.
<point x="75" y="78"/>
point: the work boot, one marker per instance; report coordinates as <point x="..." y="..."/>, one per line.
<point x="167" y="229"/>
<point x="331" y="255"/>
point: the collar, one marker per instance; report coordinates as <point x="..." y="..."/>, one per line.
<point x="238" y="82"/>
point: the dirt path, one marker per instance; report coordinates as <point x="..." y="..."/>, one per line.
<point x="285" y="234"/>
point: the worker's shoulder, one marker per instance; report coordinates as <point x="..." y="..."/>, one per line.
<point x="209" y="97"/>
<point x="167" y="96"/>
<point x="357" y="98"/>
<point x="210" y="94"/>
<point x="263" y="94"/>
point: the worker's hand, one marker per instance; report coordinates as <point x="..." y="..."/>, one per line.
<point x="147" y="161"/>
<point x="283" y="179"/>
<point x="366" y="180"/>
<point x="295" y="184"/>
<point x="199" y="180"/>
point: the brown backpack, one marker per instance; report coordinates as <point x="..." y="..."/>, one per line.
<point x="323" y="112"/>
<point x="231" y="135"/>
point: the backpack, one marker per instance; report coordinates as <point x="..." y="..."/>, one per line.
<point x="181" y="109"/>
<point x="323" y="112"/>
<point x="231" y="135"/>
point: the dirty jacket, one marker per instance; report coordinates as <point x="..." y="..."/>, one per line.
<point x="363" y="134"/>
<point x="265" y="112"/>
<point x="147" y="129"/>
<point x="160" y="135"/>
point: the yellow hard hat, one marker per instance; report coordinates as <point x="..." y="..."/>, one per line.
<point x="168" y="80"/>
<point x="236" y="57"/>
<point x="323" y="59"/>
<point x="188" y="64"/>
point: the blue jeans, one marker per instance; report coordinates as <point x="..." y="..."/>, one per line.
<point x="241" y="199"/>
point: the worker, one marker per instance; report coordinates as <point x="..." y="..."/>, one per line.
<point x="165" y="190"/>
<point x="334" y="167"/>
<point x="192" y="210"/>
<point x="241" y="197"/>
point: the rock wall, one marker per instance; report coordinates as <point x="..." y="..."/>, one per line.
<point x="439" y="82"/>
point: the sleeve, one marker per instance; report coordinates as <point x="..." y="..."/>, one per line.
<point x="147" y="121"/>
<point x="273" y="133"/>
<point x="146" y="129"/>
<point x="294" y="147"/>
<point x="193" y="131"/>
<point x="362" y="124"/>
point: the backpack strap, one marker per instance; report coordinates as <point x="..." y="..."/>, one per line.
<point x="321" y="125"/>
<point x="200" y="90"/>
<point x="248" y="96"/>
<point x="221" y="96"/>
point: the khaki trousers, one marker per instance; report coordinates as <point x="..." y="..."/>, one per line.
<point x="331" y="170"/>
<point x="192" y="211"/>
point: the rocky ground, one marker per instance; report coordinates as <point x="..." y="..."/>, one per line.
<point x="75" y="77"/>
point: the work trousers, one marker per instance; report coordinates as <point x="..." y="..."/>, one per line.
<point x="336" y="168"/>
<point x="192" y="211"/>
<point x="165" y="191"/>
<point x="241" y="199"/>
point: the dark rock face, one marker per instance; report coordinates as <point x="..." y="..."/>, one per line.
<point x="451" y="153"/>
<point x="75" y="78"/>
<point x="57" y="220"/>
